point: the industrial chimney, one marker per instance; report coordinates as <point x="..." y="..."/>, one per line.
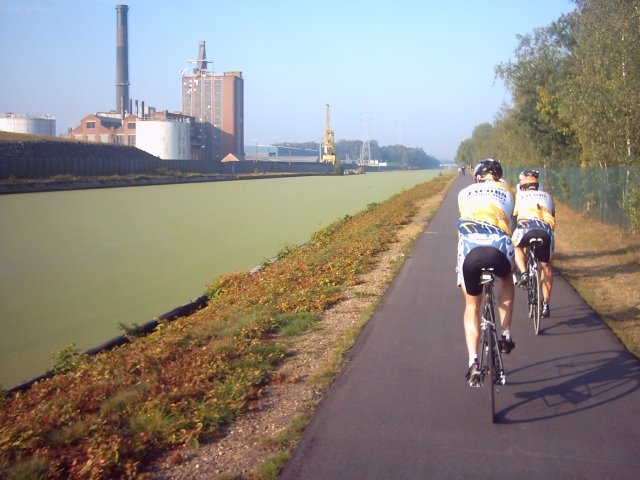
<point x="122" y="60"/>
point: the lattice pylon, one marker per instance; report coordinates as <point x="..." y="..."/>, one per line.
<point x="365" y="150"/>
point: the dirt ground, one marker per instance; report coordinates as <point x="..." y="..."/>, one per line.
<point x="604" y="270"/>
<point x="603" y="265"/>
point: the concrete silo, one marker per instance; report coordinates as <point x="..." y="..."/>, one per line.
<point x="44" y="125"/>
<point x="166" y="139"/>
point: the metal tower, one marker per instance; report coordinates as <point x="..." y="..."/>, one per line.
<point x="365" y="150"/>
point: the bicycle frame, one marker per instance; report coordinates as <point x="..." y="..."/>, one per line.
<point x="534" y="286"/>
<point x="490" y="359"/>
<point x="532" y="256"/>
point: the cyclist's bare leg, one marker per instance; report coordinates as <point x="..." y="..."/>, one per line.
<point x="505" y="302"/>
<point x="520" y="258"/>
<point x="547" y="280"/>
<point x="472" y="322"/>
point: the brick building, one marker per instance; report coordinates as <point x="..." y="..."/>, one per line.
<point x="113" y="129"/>
<point x="216" y="101"/>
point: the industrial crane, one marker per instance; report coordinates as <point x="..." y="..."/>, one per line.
<point x="328" y="142"/>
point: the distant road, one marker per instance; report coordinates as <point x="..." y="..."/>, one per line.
<point x="400" y="409"/>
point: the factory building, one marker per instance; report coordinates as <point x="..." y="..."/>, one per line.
<point x="281" y="153"/>
<point x="117" y="127"/>
<point x="210" y="126"/>
<point x="108" y="128"/>
<point x="216" y="101"/>
<point x="166" y="135"/>
<point x="163" y="134"/>
<point x="44" y="125"/>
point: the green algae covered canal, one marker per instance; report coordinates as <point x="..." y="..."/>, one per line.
<point x="76" y="265"/>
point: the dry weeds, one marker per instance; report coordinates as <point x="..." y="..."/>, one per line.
<point x="603" y="265"/>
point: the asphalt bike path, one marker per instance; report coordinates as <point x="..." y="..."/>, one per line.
<point x="401" y="409"/>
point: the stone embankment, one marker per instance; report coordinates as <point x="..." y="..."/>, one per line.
<point x="48" y="185"/>
<point x="53" y="185"/>
<point x="32" y="164"/>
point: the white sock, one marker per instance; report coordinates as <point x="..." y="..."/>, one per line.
<point x="473" y="359"/>
<point x="507" y="334"/>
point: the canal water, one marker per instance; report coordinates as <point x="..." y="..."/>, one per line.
<point x="75" y="265"/>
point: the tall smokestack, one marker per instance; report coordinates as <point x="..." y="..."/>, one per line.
<point x="122" y="59"/>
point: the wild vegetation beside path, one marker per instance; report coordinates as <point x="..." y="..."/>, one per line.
<point x="602" y="263"/>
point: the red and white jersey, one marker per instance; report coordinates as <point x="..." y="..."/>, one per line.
<point x="487" y="202"/>
<point x="535" y="205"/>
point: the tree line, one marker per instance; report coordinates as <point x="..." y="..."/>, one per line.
<point x="575" y="88"/>
<point x="397" y="156"/>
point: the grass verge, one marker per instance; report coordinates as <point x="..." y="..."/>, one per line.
<point x="602" y="263"/>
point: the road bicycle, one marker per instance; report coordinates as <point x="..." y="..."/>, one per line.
<point x="490" y="361"/>
<point x="534" y="283"/>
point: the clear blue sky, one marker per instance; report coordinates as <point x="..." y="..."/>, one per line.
<point x="414" y="72"/>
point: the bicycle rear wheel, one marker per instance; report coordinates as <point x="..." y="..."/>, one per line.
<point x="489" y="342"/>
<point x="531" y="292"/>
<point x="493" y="376"/>
<point x="536" y="307"/>
<point x="531" y="299"/>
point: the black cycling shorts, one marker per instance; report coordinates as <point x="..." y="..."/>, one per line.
<point x="479" y="258"/>
<point x="543" y="252"/>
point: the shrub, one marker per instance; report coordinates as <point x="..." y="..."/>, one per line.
<point x="633" y="210"/>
